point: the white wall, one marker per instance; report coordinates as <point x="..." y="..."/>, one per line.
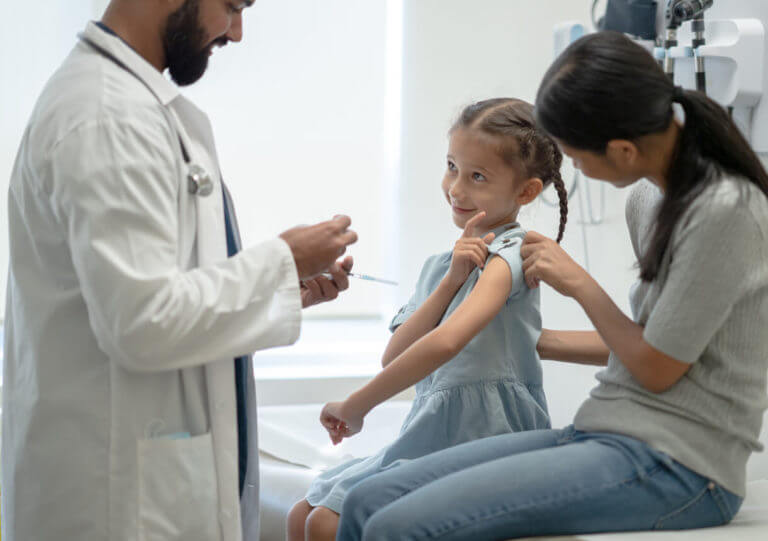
<point x="458" y="51"/>
<point x="299" y="109"/>
<point x="26" y="63"/>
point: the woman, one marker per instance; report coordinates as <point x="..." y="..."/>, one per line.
<point x="663" y="440"/>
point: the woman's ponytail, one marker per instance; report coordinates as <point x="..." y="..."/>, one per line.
<point x="606" y="87"/>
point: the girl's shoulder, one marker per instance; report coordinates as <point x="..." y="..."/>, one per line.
<point x="509" y="238"/>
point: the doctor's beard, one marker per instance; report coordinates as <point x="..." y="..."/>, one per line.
<point x="186" y="52"/>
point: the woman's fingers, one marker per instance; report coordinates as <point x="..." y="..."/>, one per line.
<point x="533" y="237"/>
<point x="531" y="278"/>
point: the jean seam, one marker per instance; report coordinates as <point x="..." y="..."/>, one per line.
<point x="698" y="499"/>
<point x="560" y="497"/>
<point x="722" y="504"/>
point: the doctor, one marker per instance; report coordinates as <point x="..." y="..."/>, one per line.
<point x="128" y="408"/>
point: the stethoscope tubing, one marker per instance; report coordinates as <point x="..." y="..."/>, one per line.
<point x="198" y="181"/>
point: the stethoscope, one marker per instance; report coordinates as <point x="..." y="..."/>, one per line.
<point x="198" y="180"/>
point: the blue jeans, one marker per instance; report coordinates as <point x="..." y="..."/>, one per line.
<point x="541" y="482"/>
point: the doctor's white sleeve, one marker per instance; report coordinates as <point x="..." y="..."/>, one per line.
<point x="115" y="188"/>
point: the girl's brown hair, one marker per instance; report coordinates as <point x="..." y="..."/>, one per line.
<point x="522" y="144"/>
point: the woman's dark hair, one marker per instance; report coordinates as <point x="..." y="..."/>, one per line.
<point x="522" y="144"/>
<point x="605" y="86"/>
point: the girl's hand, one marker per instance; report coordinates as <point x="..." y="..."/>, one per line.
<point x="340" y="421"/>
<point x="469" y="252"/>
<point x="544" y="259"/>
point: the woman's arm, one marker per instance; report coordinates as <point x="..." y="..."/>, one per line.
<point x="426" y="354"/>
<point x="580" y="347"/>
<point x="543" y="259"/>
<point x="653" y="369"/>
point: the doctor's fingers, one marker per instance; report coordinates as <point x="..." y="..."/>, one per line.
<point x="348" y="237"/>
<point x="339" y="275"/>
<point x="341" y="222"/>
<point x="328" y="290"/>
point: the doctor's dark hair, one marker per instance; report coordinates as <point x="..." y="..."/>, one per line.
<point x="522" y="145"/>
<point x="605" y="87"/>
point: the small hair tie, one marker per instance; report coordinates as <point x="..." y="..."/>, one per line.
<point x="678" y="93"/>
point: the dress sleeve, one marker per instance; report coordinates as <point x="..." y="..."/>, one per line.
<point x="427" y="282"/>
<point x="713" y="254"/>
<point x="507" y="246"/>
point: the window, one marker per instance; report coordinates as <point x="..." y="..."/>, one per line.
<point x="305" y="113"/>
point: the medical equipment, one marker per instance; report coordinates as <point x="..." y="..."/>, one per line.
<point x="365" y="277"/>
<point x="678" y="12"/>
<point x="634" y="17"/>
<point x="198" y="181"/>
<point x="725" y="58"/>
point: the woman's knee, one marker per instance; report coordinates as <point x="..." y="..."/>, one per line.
<point x="321" y="524"/>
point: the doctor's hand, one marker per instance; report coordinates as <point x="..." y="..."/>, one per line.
<point x="544" y="259"/>
<point x="340" y="421"/>
<point x="323" y="289"/>
<point x="315" y="248"/>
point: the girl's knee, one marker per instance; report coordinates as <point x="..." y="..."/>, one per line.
<point x="321" y="524"/>
<point x="296" y="520"/>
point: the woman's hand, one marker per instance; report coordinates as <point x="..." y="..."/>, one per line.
<point x="469" y="252"/>
<point x="341" y="421"/>
<point x="544" y="259"/>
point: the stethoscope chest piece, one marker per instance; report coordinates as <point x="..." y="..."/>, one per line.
<point x="198" y="181"/>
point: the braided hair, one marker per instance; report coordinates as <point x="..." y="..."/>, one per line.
<point x="523" y="144"/>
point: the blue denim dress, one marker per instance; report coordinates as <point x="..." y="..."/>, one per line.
<point x="493" y="386"/>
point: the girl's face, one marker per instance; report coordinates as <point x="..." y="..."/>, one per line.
<point x="478" y="179"/>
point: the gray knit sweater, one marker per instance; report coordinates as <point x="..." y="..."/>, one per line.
<point x="708" y="307"/>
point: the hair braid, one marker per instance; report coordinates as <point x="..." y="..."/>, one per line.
<point x="562" y="194"/>
<point x="524" y="144"/>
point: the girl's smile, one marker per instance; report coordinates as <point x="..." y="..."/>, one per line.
<point x="478" y="179"/>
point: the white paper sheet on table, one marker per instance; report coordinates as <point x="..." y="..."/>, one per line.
<point x="294" y="434"/>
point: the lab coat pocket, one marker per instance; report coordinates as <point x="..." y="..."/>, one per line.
<point x="178" y="494"/>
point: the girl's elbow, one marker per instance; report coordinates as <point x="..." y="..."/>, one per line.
<point x="448" y="345"/>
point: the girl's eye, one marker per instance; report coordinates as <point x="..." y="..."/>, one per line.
<point x="451" y="166"/>
<point x="478" y="177"/>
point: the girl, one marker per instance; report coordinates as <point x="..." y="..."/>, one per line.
<point x="470" y="309"/>
<point x="663" y="440"/>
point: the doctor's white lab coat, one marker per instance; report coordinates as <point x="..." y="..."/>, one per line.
<point x="124" y="315"/>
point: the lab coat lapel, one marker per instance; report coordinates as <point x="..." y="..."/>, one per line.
<point x="220" y="375"/>
<point x="162" y="88"/>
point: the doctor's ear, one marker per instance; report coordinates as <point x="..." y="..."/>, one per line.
<point x="530" y="191"/>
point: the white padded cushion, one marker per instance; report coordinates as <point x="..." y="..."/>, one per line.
<point x="283" y="483"/>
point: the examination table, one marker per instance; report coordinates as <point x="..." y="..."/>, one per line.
<point x="294" y="448"/>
